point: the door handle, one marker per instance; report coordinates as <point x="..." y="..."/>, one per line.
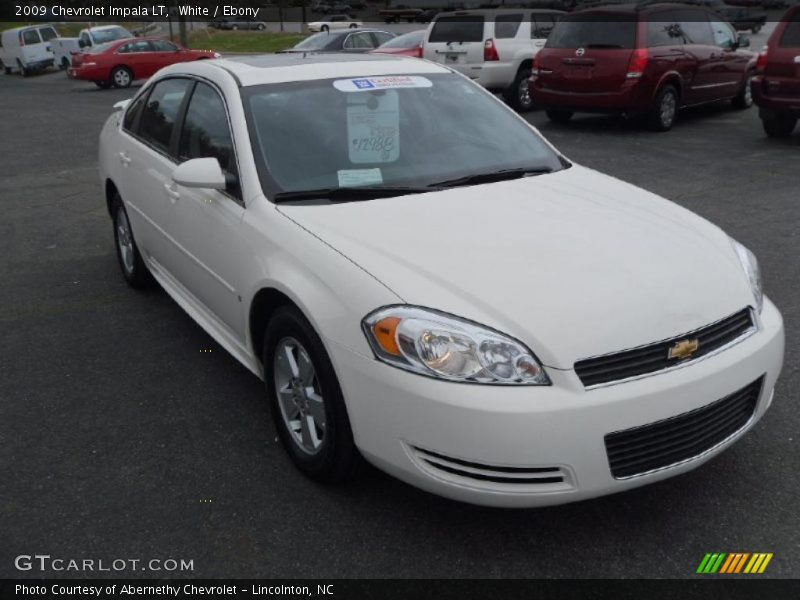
<point x="124" y="159"/>
<point x="172" y="192"/>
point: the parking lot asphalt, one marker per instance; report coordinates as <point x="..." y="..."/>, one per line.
<point x="126" y="432"/>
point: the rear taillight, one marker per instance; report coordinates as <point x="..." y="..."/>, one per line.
<point x="418" y="52"/>
<point x="537" y="63"/>
<point x="490" y="50"/>
<point x="763" y="56"/>
<point x="638" y="63"/>
<point x="21" y="39"/>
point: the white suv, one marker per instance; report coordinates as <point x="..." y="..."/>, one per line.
<point x="493" y="47"/>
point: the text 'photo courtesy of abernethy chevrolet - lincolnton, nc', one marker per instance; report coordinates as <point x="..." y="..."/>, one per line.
<point x="426" y="284"/>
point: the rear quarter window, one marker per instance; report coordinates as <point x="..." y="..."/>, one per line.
<point x="31" y="36"/>
<point x="506" y="26"/>
<point x="791" y="35"/>
<point x="47" y="33"/>
<point x="594" y="31"/>
<point x="467" y="28"/>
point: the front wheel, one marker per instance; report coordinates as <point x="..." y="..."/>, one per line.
<point x="559" y="116"/>
<point x="779" y="126"/>
<point x="306" y="401"/>
<point x="518" y="95"/>
<point x="665" y="109"/>
<point x="128" y="256"/>
<point x="22" y="69"/>
<point x="353" y="26"/>
<point x="324" y="28"/>
<point x="121" y="77"/>
<point x="261" y="27"/>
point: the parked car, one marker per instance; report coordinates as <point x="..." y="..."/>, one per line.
<point x="27" y="49"/>
<point x="494" y="47"/>
<point x="121" y="62"/>
<point x="408" y="44"/>
<point x="334" y="22"/>
<point x="64" y="48"/>
<point x="348" y="40"/>
<point x="649" y="60"/>
<point x="240" y="23"/>
<point x="776" y="87"/>
<point x="337" y="8"/>
<point x="400" y="13"/>
<point x="425" y="282"/>
<point x="743" y="19"/>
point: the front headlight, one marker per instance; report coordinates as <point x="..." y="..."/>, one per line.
<point x="439" y="345"/>
<point x="750" y="265"/>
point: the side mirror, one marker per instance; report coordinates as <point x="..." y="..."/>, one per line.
<point x="122" y="104"/>
<point x="81" y="44"/>
<point x="743" y="41"/>
<point x="200" y="173"/>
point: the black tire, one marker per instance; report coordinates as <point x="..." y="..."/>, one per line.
<point x="134" y="271"/>
<point x="336" y="459"/>
<point x="779" y="126"/>
<point x="353" y="26"/>
<point x="103" y="85"/>
<point x="324" y="28"/>
<point x="559" y="116"/>
<point x="518" y="98"/>
<point x="6" y="70"/>
<point x="261" y="27"/>
<point x="65" y="64"/>
<point x="22" y="70"/>
<point x="121" y="77"/>
<point x="665" y="109"/>
<point x="756" y="29"/>
<point x="744" y="99"/>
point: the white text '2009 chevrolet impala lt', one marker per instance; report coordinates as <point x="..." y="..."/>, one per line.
<point x="424" y="282"/>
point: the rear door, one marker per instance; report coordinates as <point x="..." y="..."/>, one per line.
<point x="457" y="41"/>
<point x="782" y="73"/>
<point x="589" y="53"/>
<point x="706" y="60"/>
<point x="140" y="57"/>
<point x="665" y="46"/>
<point x="734" y="63"/>
<point x="33" y="49"/>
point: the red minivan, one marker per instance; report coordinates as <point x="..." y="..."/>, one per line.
<point x="776" y="87"/>
<point x="647" y="59"/>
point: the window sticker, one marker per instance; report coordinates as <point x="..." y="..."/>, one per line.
<point x="373" y="127"/>
<point x="357" y="177"/>
<point x="387" y="82"/>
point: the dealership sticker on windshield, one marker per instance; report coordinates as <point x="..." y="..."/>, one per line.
<point x="357" y="177"/>
<point x="386" y="82"/>
<point x="373" y="128"/>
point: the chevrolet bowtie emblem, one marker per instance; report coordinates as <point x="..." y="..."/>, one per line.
<point x="683" y="349"/>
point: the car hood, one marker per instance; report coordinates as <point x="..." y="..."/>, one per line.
<point x="575" y="263"/>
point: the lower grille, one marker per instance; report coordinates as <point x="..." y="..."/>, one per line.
<point x="657" y="357"/>
<point x="678" y="439"/>
<point x="486" y="475"/>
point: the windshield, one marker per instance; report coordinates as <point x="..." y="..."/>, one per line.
<point x="314" y="42"/>
<point x="407" y="131"/>
<point x="594" y="31"/>
<point x="407" y="40"/>
<point x="109" y="35"/>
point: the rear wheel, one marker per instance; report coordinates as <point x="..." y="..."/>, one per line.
<point x="665" y="109"/>
<point x="744" y="99"/>
<point x="130" y="261"/>
<point x="324" y="28"/>
<point x="779" y="126"/>
<point x="559" y="116"/>
<point x="121" y="77"/>
<point x="353" y="26"/>
<point x="261" y="27"/>
<point x="306" y="401"/>
<point x="518" y="95"/>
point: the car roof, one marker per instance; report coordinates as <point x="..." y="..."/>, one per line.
<point x="281" y="68"/>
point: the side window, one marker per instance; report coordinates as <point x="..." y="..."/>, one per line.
<point x="356" y="41"/>
<point x="140" y="46"/>
<point x="161" y="110"/>
<point x="541" y="26"/>
<point x="506" y="26"/>
<point x="381" y="37"/>
<point x="133" y="112"/>
<point x="163" y="46"/>
<point x="723" y="34"/>
<point x="47" y="33"/>
<point x="87" y="41"/>
<point x="663" y="30"/>
<point x="696" y="29"/>
<point x="31" y="36"/>
<point x="791" y="35"/>
<point x="206" y="133"/>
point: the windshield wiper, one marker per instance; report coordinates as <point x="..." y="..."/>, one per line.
<point x="345" y="194"/>
<point x="492" y="176"/>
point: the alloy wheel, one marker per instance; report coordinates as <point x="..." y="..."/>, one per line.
<point x="125" y="242"/>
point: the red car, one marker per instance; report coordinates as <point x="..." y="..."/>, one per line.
<point x="120" y="62"/>
<point x="408" y="44"/>
<point x="776" y="87"/>
<point x="650" y="59"/>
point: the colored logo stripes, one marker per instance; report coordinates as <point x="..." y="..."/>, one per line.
<point x="734" y="563"/>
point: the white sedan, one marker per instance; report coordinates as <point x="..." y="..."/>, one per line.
<point x="424" y="282"/>
<point x="334" y="22"/>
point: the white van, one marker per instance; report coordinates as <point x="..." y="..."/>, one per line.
<point x="494" y="47"/>
<point x="27" y="48"/>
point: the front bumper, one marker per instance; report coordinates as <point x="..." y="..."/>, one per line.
<point x="400" y="420"/>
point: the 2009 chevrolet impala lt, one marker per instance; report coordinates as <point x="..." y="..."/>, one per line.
<point x="424" y="282"/>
